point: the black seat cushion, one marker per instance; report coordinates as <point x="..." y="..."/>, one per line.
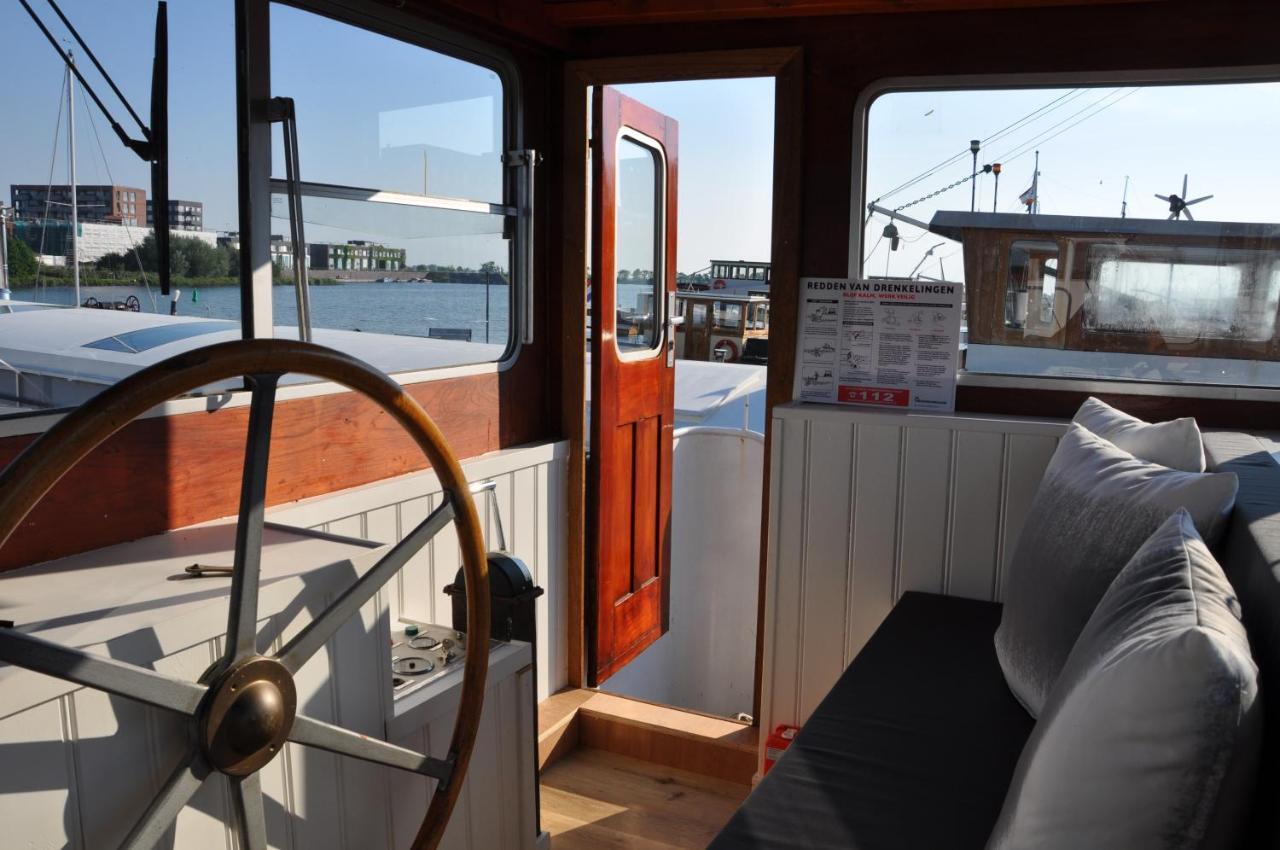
<point x="914" y="746"/>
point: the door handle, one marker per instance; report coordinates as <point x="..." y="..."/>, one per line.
<point x="672" y="321"/>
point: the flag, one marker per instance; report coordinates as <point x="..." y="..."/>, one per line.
<point x="1028" y="197"/>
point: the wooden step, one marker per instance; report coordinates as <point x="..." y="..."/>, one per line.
<point x="687" y="740"/>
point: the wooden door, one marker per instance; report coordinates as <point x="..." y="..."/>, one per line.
<point x="633" y="190"/>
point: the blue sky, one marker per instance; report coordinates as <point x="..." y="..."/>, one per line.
<point x="370" y="108"/>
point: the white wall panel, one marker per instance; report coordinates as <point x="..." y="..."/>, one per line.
<point x="531" y="485"/>
<point x="867" y="505"/>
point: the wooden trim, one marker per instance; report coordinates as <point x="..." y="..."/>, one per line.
<point x="658" y="734"/>
<point x="1063" y="404"/>
<point x="571" y="14"/>
<point x="783" y="63"/>
<point x="167" y="472"/>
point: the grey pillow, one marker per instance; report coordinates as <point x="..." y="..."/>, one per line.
<point x="1150" y="737"/>
<point x="1176" y="444"/>
<point x="1095" y="506"/>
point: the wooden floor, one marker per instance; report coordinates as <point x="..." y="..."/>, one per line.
<point x="595" y="799"/>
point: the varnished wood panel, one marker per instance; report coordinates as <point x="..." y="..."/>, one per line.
<point x="592" y="13"/>
<point x="167" y="472"/>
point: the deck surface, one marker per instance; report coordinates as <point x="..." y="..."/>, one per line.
<point x="594" y="799"/>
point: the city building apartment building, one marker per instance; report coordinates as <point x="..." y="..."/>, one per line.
<point x="355" y="255"/>
<point x="183" y="215"/>
<point x="106" y="204"/>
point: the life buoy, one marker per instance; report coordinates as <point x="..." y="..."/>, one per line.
<point x="718" y="283"/>
<point x="729" y="347"/>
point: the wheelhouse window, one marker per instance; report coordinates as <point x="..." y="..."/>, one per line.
<point x="82" y="305"/>
<point x="1090" y="245"/>
<point x="406" y="195"/>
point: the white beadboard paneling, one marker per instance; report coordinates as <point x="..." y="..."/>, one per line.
<point x="866" y="505"/>
<point x="925" y="503"/>
<point x="531" y="486"/>
<point x="824" y="582"/>
<point x="874" y="531"/>
<point x="977" y="468"/>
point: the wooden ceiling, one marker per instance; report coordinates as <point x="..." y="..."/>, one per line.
<point x="573" y="14"/>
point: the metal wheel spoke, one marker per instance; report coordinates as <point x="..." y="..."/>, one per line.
<point x="307" y="642"/>
<point x="96" y="671"/>
<point x="242" y="621"/>
<point x="251" y="819"/>
<point x="335" y="739"/>
<point x="181" y="786"/>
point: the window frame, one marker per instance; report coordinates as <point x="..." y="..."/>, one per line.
<point x="380" y="20"/>
<point x="660" y="212"/>
<point x="870" y="93"/>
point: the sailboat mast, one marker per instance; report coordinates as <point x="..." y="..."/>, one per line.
<point x="71" y="162"/>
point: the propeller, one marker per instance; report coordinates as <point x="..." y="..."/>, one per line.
<point x="1178" y="203"/>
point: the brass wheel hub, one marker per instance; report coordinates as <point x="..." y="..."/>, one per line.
<point x="247" y="715"/>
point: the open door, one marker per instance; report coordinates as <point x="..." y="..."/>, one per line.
<point x="633" y="230"/>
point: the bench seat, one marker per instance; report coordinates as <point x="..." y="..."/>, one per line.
<point x="914" y="746"/>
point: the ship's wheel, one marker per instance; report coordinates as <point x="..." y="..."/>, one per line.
<point x="243" y="709"/>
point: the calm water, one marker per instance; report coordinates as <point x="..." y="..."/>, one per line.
<point x="395" y="308"/>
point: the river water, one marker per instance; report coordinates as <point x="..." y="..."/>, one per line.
<point x="407" y="309"/>
<point x="394" y="308"/>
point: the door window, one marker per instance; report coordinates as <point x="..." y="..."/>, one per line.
<point x="638" y="245"/>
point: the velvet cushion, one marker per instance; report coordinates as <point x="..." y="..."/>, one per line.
<point x="1152" y="729"/>
<point x="1176" y="444"/>
<point x="1095" y="506"/>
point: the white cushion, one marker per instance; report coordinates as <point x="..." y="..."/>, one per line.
<point x="1150" y="737"/>
<point x="1095" y="506"/>
<point x="1175" y="444"/>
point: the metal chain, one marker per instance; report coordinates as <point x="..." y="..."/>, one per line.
<point x="959" y="182"/>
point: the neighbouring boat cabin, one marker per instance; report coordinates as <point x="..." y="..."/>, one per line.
<point x="426" y="483"/>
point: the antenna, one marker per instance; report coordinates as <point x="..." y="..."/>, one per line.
<point x="1124" y="199"/>
<point x="1178" y="203"/>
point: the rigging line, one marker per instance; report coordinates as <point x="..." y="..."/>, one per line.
<point x="1028" y="146"/>
<point x="110" y="177"/>
<point x="48" y="190"/>
<point x="872" y="252"/>
<point x="1050" y="106"/>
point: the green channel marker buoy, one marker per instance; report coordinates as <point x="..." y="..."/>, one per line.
<point x="195" y="295"/>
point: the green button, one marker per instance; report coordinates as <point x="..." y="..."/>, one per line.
<point x="410" y="630"/>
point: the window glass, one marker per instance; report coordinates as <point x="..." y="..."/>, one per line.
<point x="58" y="345"/>
<point x="699" y="316"/>
<point x="417" y="243"/>
<point x="1099" y="248"/>
<point x="728" y="316"/>
<point x="638" y="245"/>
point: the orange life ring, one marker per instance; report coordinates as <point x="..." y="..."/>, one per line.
<point x="728" y="345"/>
<point x="718" y="283"/>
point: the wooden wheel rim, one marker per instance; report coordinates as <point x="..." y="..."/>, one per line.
<point x="43" y="463"/>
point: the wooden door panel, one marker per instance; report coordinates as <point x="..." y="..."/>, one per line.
<point x="632" y="386"/>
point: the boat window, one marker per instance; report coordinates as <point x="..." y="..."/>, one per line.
<point x="404" y="192"/>
<point x="80" y="296"/>
<point x="728" y="316"/>
<point x="1098" y="248"/>
<point x="136" y="342"/>
<point x="1031" y="284"/>
<point x="699" y="316"/>
<point x="638" y="245"/>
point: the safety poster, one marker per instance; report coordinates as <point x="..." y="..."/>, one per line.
<point x="885" y="343"/>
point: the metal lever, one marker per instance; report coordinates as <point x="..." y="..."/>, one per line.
<point x="489" y="489"/>
<point x="524" y="160"/>
<point x="202" y="571"/>
<point x="282" y="111"/>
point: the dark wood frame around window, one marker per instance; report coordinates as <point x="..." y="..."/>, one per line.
<point x="785" y="66"/>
